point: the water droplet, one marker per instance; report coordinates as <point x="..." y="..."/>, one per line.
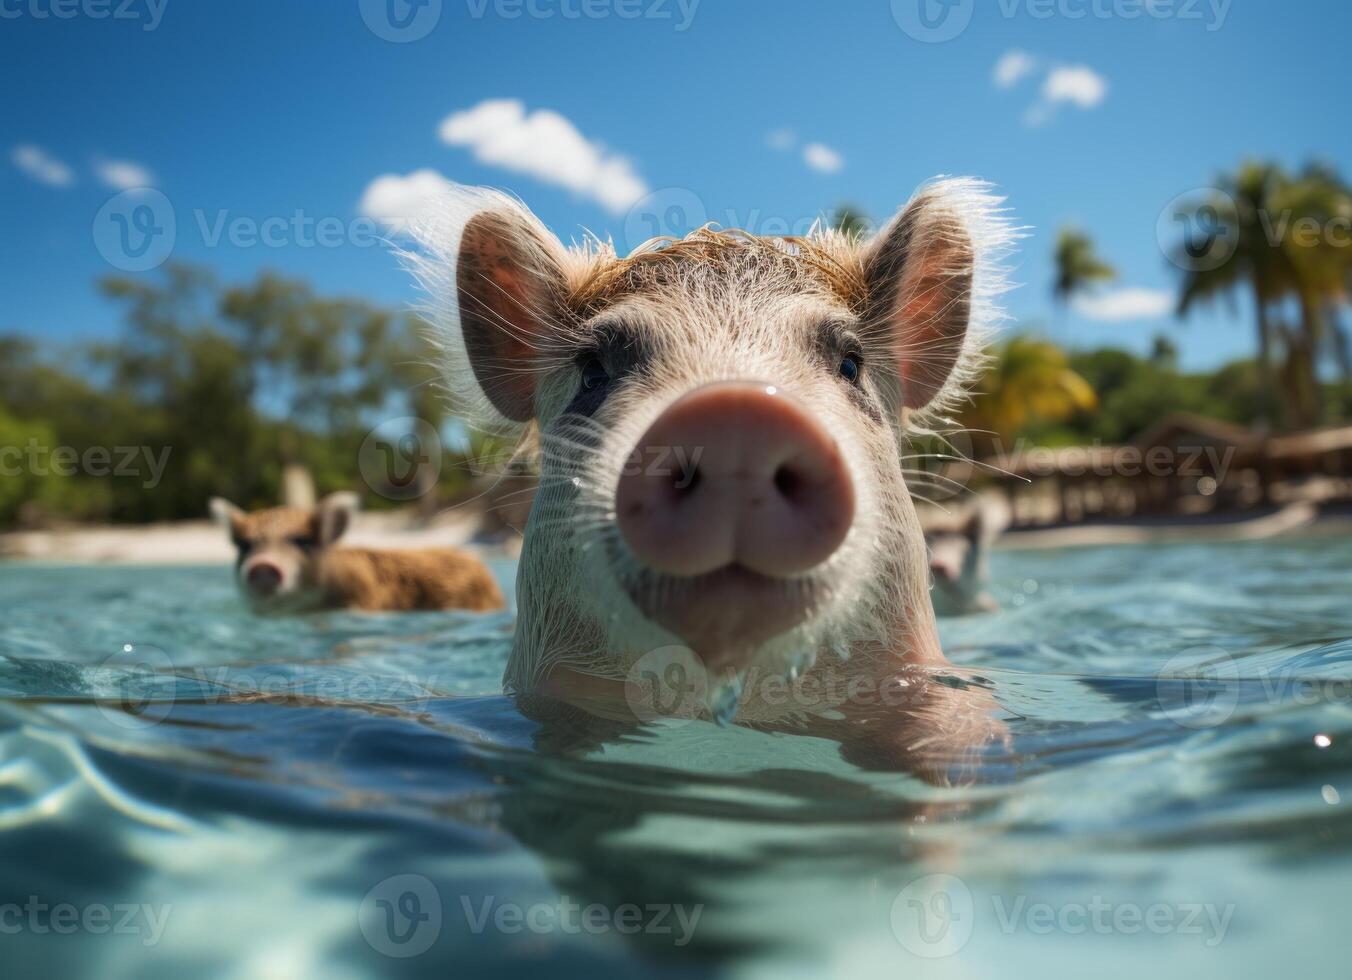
<point x="800" y="663"/>
<point x="1331" y="796"/>
<point x="577" y="482"/>
<point x="771" y="390"/>
<point x="1029" y="585"/>
<point x="724" y="700"/>
<point x="127" y="648"/>
<point x="1323" y="741"/>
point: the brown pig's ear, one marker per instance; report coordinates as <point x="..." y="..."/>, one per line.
<point x="223" y="512"/>
<point x="930" y="278"/>
<point x="334" y="516"/>
<point x="497" y="275"/>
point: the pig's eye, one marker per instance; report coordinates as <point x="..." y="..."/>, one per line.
<point x="849" y="368"/>
<point x="303" y="542"/>
<point x="594" y="374"/>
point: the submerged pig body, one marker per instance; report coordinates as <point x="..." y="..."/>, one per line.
<point x="721" y="422"/>
<point x="289" y="561"/>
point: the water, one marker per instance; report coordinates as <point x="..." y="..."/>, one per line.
<point x="350" y="796"/>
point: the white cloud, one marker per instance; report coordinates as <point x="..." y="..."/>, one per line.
<point x="395" y="199"/>
<point x="822" y="158"/>
<point x="1013" y="67"/>
<point x="781" y="139"/>
<point x="41" y="166"/>
<point x="547" y="146"/>
<point x="123" y="175"/>
<point x="1078" y="84"/>
<point x="1126" y="304"/>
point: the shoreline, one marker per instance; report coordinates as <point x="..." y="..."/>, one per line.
<point x="205" y="543"/>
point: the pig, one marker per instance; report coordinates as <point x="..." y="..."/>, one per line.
<point x="288" y="561"/>
<point x="959" y="562"/>
<point x="720" y="421"/>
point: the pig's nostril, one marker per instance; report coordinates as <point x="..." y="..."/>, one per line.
<point x="687" y="483"/>
<point x="787" y="482"/>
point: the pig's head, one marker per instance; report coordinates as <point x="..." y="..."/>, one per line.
<point x="720" y="422"/>
<point x="959" y="559"/>
<point x="278" y="550"/>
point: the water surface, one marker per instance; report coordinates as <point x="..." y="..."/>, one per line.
<point x="352" y="796"/>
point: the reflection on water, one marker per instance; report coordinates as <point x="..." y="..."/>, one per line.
<point x="185" y="790"/>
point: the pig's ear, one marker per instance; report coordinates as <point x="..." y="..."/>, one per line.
<point x="498" y="278"/>
<point x="223" y="512"/>
<point x="334" y="516"/>
<point x="932" y="275"/>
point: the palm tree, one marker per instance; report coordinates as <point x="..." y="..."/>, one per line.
<point x="1266" y="232"/>
<point x="1028" y="378"/>
<point x="1235" y="253"/>
<point x="1078" y="267"/>
<point x="1312" y="205"/>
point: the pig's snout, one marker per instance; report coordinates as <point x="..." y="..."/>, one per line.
<point x="263" y="578"/>
<point x="735" y="475"/>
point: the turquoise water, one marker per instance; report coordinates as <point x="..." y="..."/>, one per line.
<point x="346" y="796"/>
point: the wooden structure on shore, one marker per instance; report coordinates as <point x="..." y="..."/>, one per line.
<point x="1186" y="465"/>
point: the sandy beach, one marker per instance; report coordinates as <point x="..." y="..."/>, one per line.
<point x="206" y="543"/>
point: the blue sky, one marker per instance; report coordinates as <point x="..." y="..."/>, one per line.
<point x="758" y="113"/>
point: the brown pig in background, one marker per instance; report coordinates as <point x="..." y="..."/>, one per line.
<point x="289" y="561"/>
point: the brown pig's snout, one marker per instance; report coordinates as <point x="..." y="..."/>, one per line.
<point x="735" y="474"/>
<point x="263" y="578"/>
